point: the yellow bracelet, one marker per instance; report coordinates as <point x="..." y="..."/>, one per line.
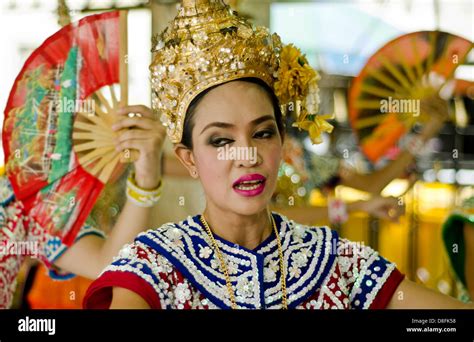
<point x="142" y="197"/>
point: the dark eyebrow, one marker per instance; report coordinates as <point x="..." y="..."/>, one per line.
<point x="262" y="119"/>
<point x="228" y="125"/>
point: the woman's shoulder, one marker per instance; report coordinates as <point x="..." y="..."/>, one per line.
<point x="369" y="279"/>
<point x="140" y="268"/>
<point x="171" y="229"/>
<point x="340" y="246"/>
<point x="154" y="246"/>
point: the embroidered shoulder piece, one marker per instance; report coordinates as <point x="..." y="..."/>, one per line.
<point x="364" y="271"/>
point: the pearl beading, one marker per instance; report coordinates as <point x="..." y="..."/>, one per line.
<point x="326" y="281"/>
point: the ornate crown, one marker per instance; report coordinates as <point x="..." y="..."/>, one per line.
<point x="208" y="44"/>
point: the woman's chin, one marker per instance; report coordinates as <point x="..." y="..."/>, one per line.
<point x="250" y="207"/>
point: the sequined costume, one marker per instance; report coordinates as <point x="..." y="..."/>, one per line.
<point x="175" y="267"/>
<point x="20" y="236"/>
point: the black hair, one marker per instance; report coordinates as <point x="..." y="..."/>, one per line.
<point x="189" y="122"/>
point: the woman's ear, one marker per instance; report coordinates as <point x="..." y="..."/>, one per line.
<point x="186" y="157"/>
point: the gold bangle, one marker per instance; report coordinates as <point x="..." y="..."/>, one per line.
<point x="142" y="197"/>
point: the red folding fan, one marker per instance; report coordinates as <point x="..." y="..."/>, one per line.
<point x="57" y="136"/>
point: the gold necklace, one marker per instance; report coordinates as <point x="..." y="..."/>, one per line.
<point x="226" y="271"/>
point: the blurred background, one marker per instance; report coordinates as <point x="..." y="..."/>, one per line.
<point x="338" y="38"/>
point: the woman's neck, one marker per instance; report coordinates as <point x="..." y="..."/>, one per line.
<point x="246" y="231"/>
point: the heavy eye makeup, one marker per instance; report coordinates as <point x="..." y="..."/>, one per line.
<point x="266" y="133"/>
<point x="218" y="140"/>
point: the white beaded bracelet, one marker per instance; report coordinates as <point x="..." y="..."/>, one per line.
<point x="142" y="197"/>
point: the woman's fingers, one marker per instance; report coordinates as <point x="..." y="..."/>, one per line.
<point x="142" y="117"/>
<point x="145" y="146"/>
<point x="447" y="90"/>
<point x="393" y="212"/>
<point x="144" y="123"/>
<point x="137" y="134"/>
<point x="435" y="107"/>
<point x="383" y="214"/>
<point x="388" y="208"/>
<point x="143" y="133"/>
<point x="140" y="109"/>
<point x="388" y="214"/>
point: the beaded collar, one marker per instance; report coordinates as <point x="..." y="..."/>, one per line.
<point x="254" y="274"/>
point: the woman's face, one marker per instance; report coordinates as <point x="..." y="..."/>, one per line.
<point x="237" y="148"/>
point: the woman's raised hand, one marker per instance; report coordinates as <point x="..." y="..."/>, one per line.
<point x="387" y="208"/>
<point x="144" y="133"/>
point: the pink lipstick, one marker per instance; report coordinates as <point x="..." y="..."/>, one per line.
<point x="250" y="185"/>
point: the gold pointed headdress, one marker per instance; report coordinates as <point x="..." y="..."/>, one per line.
<point x="208" y="44"/>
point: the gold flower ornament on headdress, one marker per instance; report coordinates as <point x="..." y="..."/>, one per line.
<point x="208" y="44"/>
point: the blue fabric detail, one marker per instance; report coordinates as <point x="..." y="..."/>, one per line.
<point x="332" y="239"/>
<point x="184" y="271"/>
<point x="54" y="274"/>
<point x="365" y="285"/>
<point x="260" y="265"/>
<point x="182" y="242"/>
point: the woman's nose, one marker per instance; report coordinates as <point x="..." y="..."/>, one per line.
<point x="247" y="156"/>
